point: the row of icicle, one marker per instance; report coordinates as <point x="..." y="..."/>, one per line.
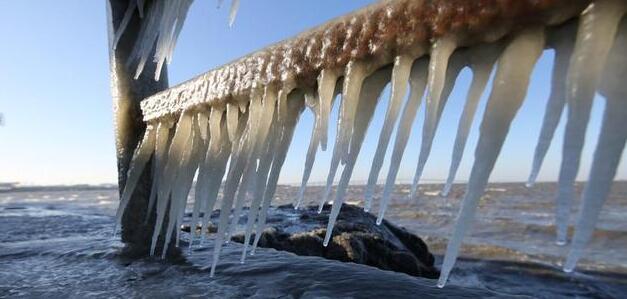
<point x="253" y="141"/>
<point x="161" y="25"/>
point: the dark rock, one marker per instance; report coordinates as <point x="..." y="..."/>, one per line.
<point x="356" y="238"/>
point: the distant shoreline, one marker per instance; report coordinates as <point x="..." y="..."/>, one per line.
<point x="6" y="188"/>
<point x="15" y="187"/>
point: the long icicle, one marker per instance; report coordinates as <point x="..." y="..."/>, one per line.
<point x="563" y="43"/>
<point x="248" y="179"/>
<point x="355" y="74"/>
<point x="168" y="176"/>
<point x="182" y="185"/>
<point x="232" y="115"/>
<point x="140" y="157"/>
<point x="202" y="182"/>
<point x="239" y="159"/>
<point x="326" y="93"/>
<point x="295" y="107"/>
<point x="508" y="92"/>
<point x="609" y="148"/>
<point x="233" y="12"/>
<point x="417" y="82"/>
<point x="482" y="59"/>
<point x="456" y="63"/>
<point x="400" y="78"/>
<point x="372" y="88"/>
<point x="314" y="105"/>
<point x="216" y="160"/>
<point x="265" y="163"/>
<point x="442" y="50"/>
<point x="161" y="151"/>
<point x="196" y="159"/>
<point x="597" y="27"/>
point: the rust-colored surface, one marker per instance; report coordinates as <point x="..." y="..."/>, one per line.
<point x="375" y="34"/>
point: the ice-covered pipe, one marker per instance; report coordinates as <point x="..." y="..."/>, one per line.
<point x="376" y="34"/>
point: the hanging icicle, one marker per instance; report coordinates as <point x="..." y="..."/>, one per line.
<point x="368" y="97"/>
<point x="562" y="42"/>
<point x="481" y="61"/>
<point x="442" y="50"/>
<point x="597" y="27"/>
<point x="508" y="92"/>
<point x="314" y="106"/>
<point x="609" y="149"/>
<point x="417" y="82"/>
<point x="355" y="74"/>
<point x="400" y="78"/>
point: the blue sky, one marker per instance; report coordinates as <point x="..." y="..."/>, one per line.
<point x="54" y="93"/>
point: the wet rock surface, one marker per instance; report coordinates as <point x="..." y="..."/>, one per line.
<point x="356" y="239"/>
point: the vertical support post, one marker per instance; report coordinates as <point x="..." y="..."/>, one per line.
<point x="129" y="127"/>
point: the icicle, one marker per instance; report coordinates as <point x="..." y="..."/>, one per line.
<point x="215" y="161"/>
<point x="315" y="106"/>
<point x="295" y="105"/>
<point x="417" y="82"/>
<point x="482" y="59"/>
<point x="232" y="114"/>
<point x="202" y="182"/>
<point x="326" y="93"/>
<point x="609" y="149"/>
<point x="259" y="138"/>
<point x="372" y="88"/>
<point x="215" y="125"/>
<point x="140" y="157"/>
<point x="196" y="159"/>
<point x="203" y="126"/>
<point x="239" y="160"/>
<point x="261" y="178"/>
<point x="147" y="36"/>
<point x="161" y="147"/>
<point x="180" y="190"/>
<point x="161" y="27"/>
<point x="233" y="12"/>
<point x="355" y="74"/>
<point x="170" y="27"/>
<point x="128" y="14"/>
<point x="508" y="92"/>
<point x="442" y="50"/>
<point x="597" y="27"/>
<point x="400" y="78"/>
<point x="563" y="46"/>
<point x="166" y="181"/>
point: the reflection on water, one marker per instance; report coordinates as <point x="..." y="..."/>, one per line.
<point x="58" y="244"/>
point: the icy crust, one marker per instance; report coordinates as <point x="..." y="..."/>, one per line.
<point x="376" y="33"/>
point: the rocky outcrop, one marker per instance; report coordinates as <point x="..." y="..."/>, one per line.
<point x="356" y="239"/>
